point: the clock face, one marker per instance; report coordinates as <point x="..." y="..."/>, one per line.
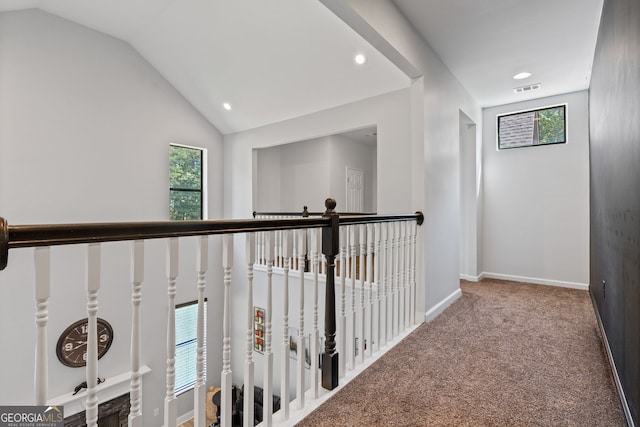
<point x="72" y="344"/>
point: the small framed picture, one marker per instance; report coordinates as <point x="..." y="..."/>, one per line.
<point x="258" y="329"/>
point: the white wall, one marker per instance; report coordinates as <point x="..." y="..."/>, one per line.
<point x="86" y="125"/>
<point x="304" y="173"/>
<point x="267" y="182"/>
<point x="344" y="153"/>
<point x="390" y="112"/>
<point x="303" y="169"/>
<point x="536" y="201"/>
<point x="435" y="134"/>
<point x="470" y="195"/>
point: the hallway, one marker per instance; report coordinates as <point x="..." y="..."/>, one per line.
<point x="505" y="353"/>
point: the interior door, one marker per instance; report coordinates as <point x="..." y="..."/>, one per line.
<point x="355" y="190"/>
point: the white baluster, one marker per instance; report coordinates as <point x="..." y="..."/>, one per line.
<point x="301" y="251"/>
<point x="276" y="248"/>
<point x="295" y="251"/>
<point x="396" y="278"/>
<point x="137" y="277"/>
<point x="267" y="395"/>
<point x="226" y="379"/>
<point x="170" y="403"/>
<point x="263" y="260"/>
<point x="259" y="248"/>
<point x="352" y="325"/>
<point x="398" y="271"/>
<point x="42" y="258"/>
<point x="316" y="235"/>
<point x="403" y="275"/>
<point x="361" y="311"/>
<point x="248" y="399"/>
<point x="287" y="247"/>
<point x="407" y="273"/>
<point x="385" y="274"/>
<point x="402" y="306"/>
<point x="93" y="285"/>
<point x="392" y="275"/>
<point x="342" y="323"/>
<point x="281" y="249"/>
<point x="323" y="263"/>
<point x="200" y="388"/>
<point x="414" y="233"/>
<point x="369" y="313"/>
<point x="389" y="281"/>
<point x="378" y="281"/>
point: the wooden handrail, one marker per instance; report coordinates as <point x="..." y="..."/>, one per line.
<point x="25" y="236"/>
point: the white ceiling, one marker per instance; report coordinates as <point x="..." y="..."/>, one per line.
<point x="271" y="60"/>
<point x="484" y="43"/>
<point x="274" y="60"/>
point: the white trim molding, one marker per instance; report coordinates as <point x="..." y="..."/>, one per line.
<point x="107" y="390"/>
<point x="471" y="278"/>
<point x="536" y="281"/>
<point x="434" y="311"/>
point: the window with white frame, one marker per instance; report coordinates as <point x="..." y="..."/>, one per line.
<point x="187" y="345"/>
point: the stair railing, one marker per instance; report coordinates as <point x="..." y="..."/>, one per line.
<point x="384" y="254"/>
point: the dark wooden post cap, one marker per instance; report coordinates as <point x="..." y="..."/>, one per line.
<point x="330" y="204"/>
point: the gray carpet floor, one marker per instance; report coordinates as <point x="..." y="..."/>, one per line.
<point x="504" y="354"/>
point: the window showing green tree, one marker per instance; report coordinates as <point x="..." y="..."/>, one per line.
<point x="551" y="125"/>
<point x="533" y="127"/>
<point x="185" y="183"/>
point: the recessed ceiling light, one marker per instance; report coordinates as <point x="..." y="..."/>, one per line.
<point x="522" y="75"/>
<point x="360" y="59"/>
<point x="226" y="106"/>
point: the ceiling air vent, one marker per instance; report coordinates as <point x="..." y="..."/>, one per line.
<point x="528" y="88"/>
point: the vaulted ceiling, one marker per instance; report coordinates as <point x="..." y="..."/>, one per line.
<point x="284" y="58"/>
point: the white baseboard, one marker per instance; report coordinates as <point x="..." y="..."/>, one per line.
<point x="433" y="312"/>
<point x="472" y="278"/>
<point x="185" y="417"/>
<point x="612" y="365"/>
<point x="559" y="283"/>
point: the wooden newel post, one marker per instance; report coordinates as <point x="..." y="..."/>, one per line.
<point x="330" y="248"/>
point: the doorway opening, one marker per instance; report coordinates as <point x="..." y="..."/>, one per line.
<point x="469" y="199"/>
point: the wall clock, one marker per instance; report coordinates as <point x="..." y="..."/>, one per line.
<point x="72" y="344"/>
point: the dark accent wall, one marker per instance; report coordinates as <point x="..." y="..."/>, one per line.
<point x="614" y="117"/>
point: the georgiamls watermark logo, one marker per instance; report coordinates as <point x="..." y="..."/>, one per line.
<point x="31" y="416"/>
